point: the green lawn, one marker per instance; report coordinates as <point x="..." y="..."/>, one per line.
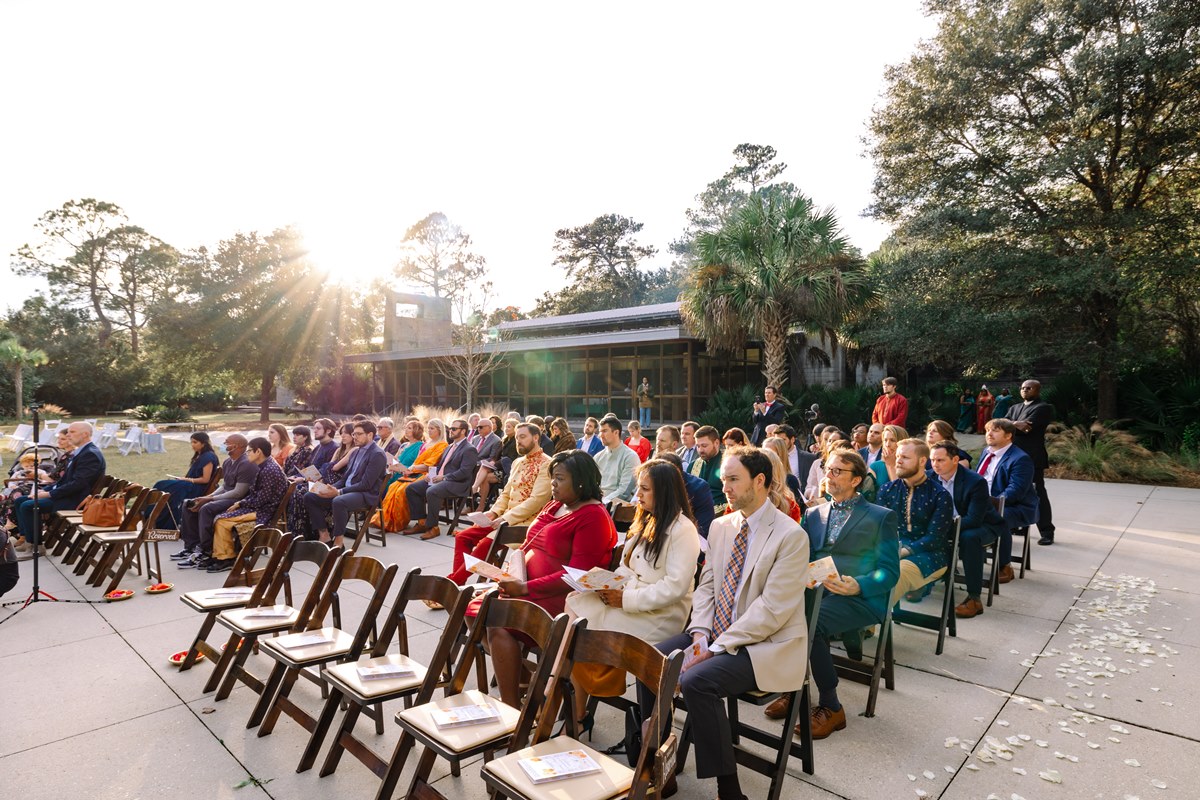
<point x="146" y="469"/>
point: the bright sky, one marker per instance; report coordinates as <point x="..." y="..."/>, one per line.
<point x="354" y="120"/>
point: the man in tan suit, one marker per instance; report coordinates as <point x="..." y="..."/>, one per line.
<point x="748" y="629"/>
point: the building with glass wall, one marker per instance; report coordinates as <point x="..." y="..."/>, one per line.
<point x="572" y="366"/>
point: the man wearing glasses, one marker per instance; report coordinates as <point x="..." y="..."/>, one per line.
<point x="862" y="540"/>
<point x="452" y="477"/>
<point x="358" y="488"/>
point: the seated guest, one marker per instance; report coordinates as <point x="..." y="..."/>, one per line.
<point x="325" y="445"/>
<point x="573" y="530"/>
<point x="410" y="447"/>
<point x="873" y="451"/>
<point x="322" y="452"/>
<point x="779" y="494"/>
<point x="799" y="460"/>
<point x="497" y="424"/>
<point x="858" y="435"/>
<point x="515" y="416"/>
<point x="779" y="446"/>
<point x="832" y="439"/>
<point x="258" y="507"/>
<point x="659" y="560"/>
<point x="861" y="538"/>
<point x="926" y="515"/>
<point x="980" y="526"/>
<point x="637" y="443"/>
<point x="473" y="435"/>
<point x="10" y="573"/>
<point x="748" y="630"/>
<point x="199" y="472"/>
<point x="394" y="515"/>
<point x="281" y="443"/>
<point x="666" y="440"/>
<point x="616" y="463"/>
<point x="818" y="445"/>
<point x="771" y="429"/>
<point x="525" y="494"/>
<point x="387" y="441"/>
<point x="885" y="468"/>
<point x="590" y="443"/>
<point x="19" y="486"/>
<point x="452" y="478"/>
<point x="561" y="436"/>
<point x="707" y="466"/>
<point x="1009" y="473"/>
<point x="359" y="487"/>
<point x="699" y="497"/>
<point x="196" y="524"/>
<point x="340" y="459"/>
<point x="687" y="449"/>
<point x="488" y="448"/>
<point x="941" y="431"/>
<point x="735" y="437"/>
<point x="508" y="448"/>
<point x="547" y="444"/>
<point x="84" y="468"/>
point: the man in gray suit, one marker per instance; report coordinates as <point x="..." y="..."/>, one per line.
<point x="488" y="446"/>
<point x="455" y="474"/>
<point x="359" y="488"/>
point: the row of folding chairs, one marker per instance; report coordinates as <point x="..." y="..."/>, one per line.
<point x="248" y="608"/>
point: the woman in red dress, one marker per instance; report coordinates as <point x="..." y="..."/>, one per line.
<point x="575" y="530"/>
<point x="985" y="401"/>
<point x="638" y="443"/>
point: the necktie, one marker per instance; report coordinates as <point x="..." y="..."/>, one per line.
<point x="729" y="583"/>
<point x="983" y="465"/>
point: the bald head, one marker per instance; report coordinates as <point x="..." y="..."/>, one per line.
<point x="236" y="444"/>
<point x="79" y="433"/>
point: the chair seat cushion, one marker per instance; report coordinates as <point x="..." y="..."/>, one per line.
<point x="347" y="679"/>
<point x="466" y="737"/>
<point x="614" y="779"/>
<point x="240" y="621"/>
<point x="99" y="528"/>
<point x="114" y="537"/>
<point x="337" y="645"/>
<point x="205" y="601"/>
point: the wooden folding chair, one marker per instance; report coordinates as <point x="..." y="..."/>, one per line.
<point x="513" y="726"/>
<point x="622" y="516"/>
<point x="451" y="511"/>
<point x="506" y="539"/>
<point x="246" y="574"/>
<point x="869" y="673"/>
<point x="347" y="688"/>
<point x="120" y="550"/>
<point x="945" y="622"/>
<point x="656" y="760"/>
<point x="1023" y="559"/>
<point x="58" y="520"/>
<point x="246" y="627"/>
<point x="340" y="645"/>
<point x="85" y="546"/>
<point x="363" y="530"/>
<point x="68" y="520"/>
<point x="783" y="744"/>
<point x="994" y="577"/>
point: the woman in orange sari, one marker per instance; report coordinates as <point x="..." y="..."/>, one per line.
<point x="395" y="505"/>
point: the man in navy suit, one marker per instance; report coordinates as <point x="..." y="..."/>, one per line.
<point x="767" y="413"/>
<point x="358" y="488"/>
<point x="874" y="449"/>
<point x="981" y="524"/>
<point x="862" y="540"/>
<point x="590" y="443"/>
<point x="1009" y="474"/>
<point x="455" y="474"/>
<point x="84" y="468"/>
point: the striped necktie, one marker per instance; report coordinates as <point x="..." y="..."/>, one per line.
<point x="729" y="583"/>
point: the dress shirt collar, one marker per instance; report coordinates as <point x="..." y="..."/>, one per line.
<point x="755" y="520"/>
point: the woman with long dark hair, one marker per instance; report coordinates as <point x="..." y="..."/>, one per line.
<point x="659" y="564"/>
<point x="199" y="474"/>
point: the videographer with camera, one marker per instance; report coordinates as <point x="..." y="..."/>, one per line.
<point x="769" y="411"/>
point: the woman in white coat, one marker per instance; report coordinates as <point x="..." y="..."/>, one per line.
<point x="659" y="560"/>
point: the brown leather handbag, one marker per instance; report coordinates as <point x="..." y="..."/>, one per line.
<point x="103" y="512"/>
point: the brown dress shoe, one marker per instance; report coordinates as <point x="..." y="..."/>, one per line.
<point x="422" y="528"/>
<point x="778" y="709"/>
<point x="825" y="722"/>
<point x="431" y="533"/>
<point x="1006" y="574"/>
<point x="971" y="607"/>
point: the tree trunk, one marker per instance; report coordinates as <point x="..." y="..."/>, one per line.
<point x="19" y="391"/>
<point x="268" y="386"/>
<point x="775" y="366"/>
<point x="1106" y="370"/>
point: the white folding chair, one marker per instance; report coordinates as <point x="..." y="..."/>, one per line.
<point x="133" y="439"/>
<point x="19" y="438"/>
<point x="49" y="432"/>
<point x="108" y="436"/>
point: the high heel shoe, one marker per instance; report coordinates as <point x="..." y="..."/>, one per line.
<point x="585" y="725"/>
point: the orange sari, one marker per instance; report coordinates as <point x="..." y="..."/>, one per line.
<point x="395" y="505"/>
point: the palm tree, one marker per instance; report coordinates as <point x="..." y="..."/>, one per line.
<point x="776" y="264"/>
<point x="15" y="358"/>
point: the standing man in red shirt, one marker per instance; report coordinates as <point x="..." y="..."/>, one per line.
<point x="891" y="408"/>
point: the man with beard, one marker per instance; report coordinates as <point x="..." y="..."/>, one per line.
<point x="926" y="518"/>
<point x="526" y="492"/>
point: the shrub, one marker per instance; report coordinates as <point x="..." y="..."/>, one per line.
<point x="147" y="413"/>
<point x="54" y="410"/>
<point x="1101" y="453"/>
<point x="729" y="408"/>
<point x="176" y="414"/>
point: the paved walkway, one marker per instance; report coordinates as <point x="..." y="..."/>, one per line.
<point x="1079" y="674"/>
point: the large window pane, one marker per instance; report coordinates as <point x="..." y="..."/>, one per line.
<point x="576" y="378"/>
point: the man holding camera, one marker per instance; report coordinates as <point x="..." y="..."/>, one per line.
<point x="769" y="411"/>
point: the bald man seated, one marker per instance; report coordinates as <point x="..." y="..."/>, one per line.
<point x="85" y="467"/>
<point x="200" y="513"/>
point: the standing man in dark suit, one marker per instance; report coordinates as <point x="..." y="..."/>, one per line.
<point x="862" y="540"/>
<point x="455" y="474"/>
<point x="980" y="526"/>
<point x="769" y="412"/>
<point x="84" y="467"/>
<point x="799" y="461"/>
<point x="1009" y="473"/>
<point x="358" y="488"/>
<point x="1031" y="416"/>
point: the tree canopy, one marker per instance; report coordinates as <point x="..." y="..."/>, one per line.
<point x="438" y="256"/>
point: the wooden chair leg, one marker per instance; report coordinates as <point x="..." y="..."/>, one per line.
<point x="278" y="702"/>
<point x="268" y="694"/>
<point x="320" y="730"/>
<point x="424" y="767"/>
<point x="387" y="787"/>
<point x="345" y="731"/>
<point x="236" y="667"/>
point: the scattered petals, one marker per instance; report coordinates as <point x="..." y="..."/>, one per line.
<point x="1052" y="775"/>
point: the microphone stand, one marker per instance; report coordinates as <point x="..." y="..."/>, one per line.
<point x="36" y="595"/>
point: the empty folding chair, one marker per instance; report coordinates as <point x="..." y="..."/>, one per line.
<point x="132" y="441"/>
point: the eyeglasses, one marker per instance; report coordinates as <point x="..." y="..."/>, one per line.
<point x="836" y="471"/>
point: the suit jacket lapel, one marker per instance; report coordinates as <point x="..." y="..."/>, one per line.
<point x="757" y="544"/>
<point x="856" y="516"/>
